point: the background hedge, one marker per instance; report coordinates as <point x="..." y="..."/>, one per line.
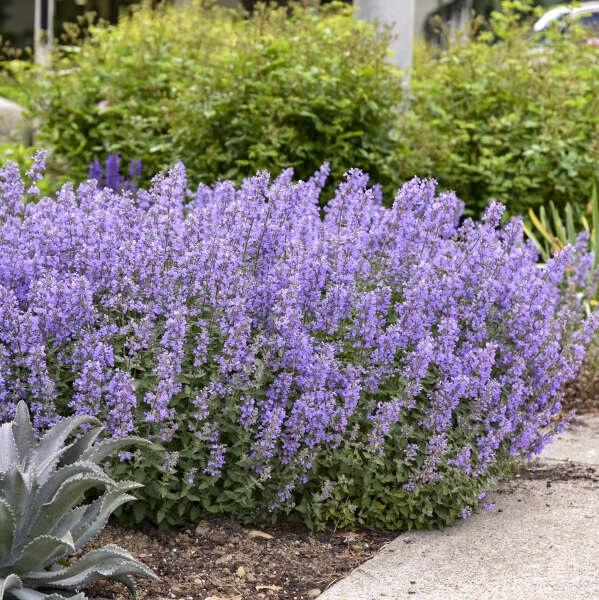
<point x="498" y="115"/>
<point x="226" y="94"/>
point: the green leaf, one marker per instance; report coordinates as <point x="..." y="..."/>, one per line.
<point x="41" y="552"/>
<point x="8" y="525"/>
<point x="595" y="215"/>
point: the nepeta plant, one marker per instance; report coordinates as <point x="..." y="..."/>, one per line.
<point x="113" y="178"/>
<point x="372" y="365"/>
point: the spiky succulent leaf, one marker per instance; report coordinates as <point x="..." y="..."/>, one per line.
<point x="40" y="521"/>
<point x="70" y="521"/>
<point x="58" y="478"/>
<point x="74" y="452"/>
<point x="8" y="523"/>
<point x="14" y="490"/>
<point x="68" y="495"/>
<point x="126" y="580"/>
<point x="8" y="583"/>
<point x="107" y="562"/>
<point x="99" y="451"/>
<point x="30" y="594"/>
<point x="33" y="503"/>
<point x="8" y="448"/>
<point x="42" y="551"/>
<point x="102" y="509"/>
<point x="49" y="449"/>
<point x="23" y="434"/>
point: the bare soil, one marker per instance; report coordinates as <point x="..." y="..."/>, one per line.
<point x="582" y="394"/>
<point x="221" y="560"/>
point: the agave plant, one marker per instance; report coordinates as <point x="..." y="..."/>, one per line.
<point x="44" y="516"/>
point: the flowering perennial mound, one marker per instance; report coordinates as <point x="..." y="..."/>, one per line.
<point x="369" y="365"/>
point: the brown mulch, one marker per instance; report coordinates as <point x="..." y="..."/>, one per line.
<point x="221" y="560"/>
<point x="582" y="394"/>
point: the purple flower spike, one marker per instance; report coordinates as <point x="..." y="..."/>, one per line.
<point x="113" y="178"/>
<point x="95" y="171"/>
<point x="243" y="323"/>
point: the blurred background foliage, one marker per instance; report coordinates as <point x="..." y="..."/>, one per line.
<point x="224" y="92"/>
<point x="492" y="113"/>
<point x="499" y="115"/>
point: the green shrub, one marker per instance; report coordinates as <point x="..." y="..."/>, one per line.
<point x="13" y="74"/>
<point x="226" y="94"/>
<point x="499" y="115"/>
<point x="24" y="157"/>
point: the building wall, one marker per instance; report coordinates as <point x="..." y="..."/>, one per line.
<point x="16" y="21"/>
<point x="19" y="15"/>
<point x="423" y="9"/>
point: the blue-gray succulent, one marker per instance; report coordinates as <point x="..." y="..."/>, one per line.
<point x="44" y="514"/>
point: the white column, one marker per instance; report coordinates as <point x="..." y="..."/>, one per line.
<point x="399" y="13"/>
<point x="42" y="39"/>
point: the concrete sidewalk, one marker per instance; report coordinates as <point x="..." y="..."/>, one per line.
<point x="540" y="543"/>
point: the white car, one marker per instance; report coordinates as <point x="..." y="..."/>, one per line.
<point x="586" y="13"/>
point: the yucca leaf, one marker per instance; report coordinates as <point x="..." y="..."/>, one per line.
<point x="560" y="230"/>
<point x="585" y="223"/>
<point x="48" y="451"/>
<point x="570" y="224"/>
<point x="100" y="451"/>
<point x="41" y="552"/>
<point x="8" y="524"/>
<point x="537" y="223"/>
<point x="544" y="219"/>
<point x="74" y="452"/>
<point x="8" y="583"/>
<point x="9" y="455"/>
<point x="542" y="251"/>
<point x="23" y="434"/>
<point x="595" y="235"/>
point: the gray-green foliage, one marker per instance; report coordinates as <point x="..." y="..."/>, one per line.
<point x="43" y="514"/>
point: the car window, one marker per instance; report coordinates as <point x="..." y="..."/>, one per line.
<point x="591" y="21"/>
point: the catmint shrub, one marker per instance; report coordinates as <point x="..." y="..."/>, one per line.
<point x="374" y="366"/>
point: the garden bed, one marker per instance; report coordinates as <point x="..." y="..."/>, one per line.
<point x="223" y="560"/>
<point x="582" y="394"/>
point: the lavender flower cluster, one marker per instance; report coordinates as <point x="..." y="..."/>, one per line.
<point x="112" y="177"/>
<point x="166" y="311"/>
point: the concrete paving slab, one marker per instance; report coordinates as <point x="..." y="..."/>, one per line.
<point x="579" y="443"/>
<point x="540" y="543"/>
